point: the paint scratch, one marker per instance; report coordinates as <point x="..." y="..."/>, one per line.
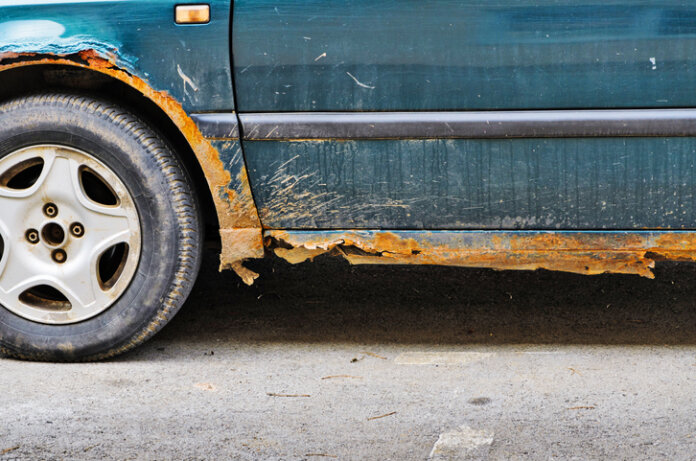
<point x="359" y="82"/>
<point x="186" y="80"/>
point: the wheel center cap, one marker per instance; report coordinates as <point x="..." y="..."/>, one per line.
<point x="53" y="234"/>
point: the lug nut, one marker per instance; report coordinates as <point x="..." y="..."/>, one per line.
<point x="77" y="230"/>
<point x="32" y="236"/>
<point x="50" y="210"/>
<point x="59" y="256"/>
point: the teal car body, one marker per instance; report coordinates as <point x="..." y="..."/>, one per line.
<point x="141" y="37"/>
<point x="508" y="134"/>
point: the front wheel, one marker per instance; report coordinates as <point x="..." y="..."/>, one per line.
<point x="100" y="236"/>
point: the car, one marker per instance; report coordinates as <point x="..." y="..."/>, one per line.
<point x="545" y="134"/>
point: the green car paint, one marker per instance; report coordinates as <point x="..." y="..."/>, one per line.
<point x="447" y="55"/>
<point x="556" y="183"/>
<point x="365" y="55"/>
<point x="190" y="62"/>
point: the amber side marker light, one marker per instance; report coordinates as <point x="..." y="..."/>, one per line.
<point x="192" y="14"/>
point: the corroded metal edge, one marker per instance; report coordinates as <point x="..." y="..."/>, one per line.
<point x="232" y="197"/>
<point x="582" y="252"/>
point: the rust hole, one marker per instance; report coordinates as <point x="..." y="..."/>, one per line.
<point x="357" y="251"/>
<point x="111" y="264"/>
<point x="96" y="188"/>
<point x="273" y="243"/>
<point x="45" y="297"/>
<point x="655" y="256"/>
<point x="23" y="175"/>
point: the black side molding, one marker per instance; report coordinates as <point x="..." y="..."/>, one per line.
<point x="219" y="125"/>
<point x="484" y="124"/>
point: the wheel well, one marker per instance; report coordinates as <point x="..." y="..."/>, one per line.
<point x="35" y="78"/>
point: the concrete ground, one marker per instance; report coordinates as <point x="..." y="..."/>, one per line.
<point x="326" y="361"/>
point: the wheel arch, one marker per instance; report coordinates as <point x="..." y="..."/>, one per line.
<point x="227" y="200"/>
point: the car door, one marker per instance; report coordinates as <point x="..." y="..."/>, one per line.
<point x="502" y="114"/>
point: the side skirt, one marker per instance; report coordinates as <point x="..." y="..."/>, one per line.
<point x="582" y="252"/>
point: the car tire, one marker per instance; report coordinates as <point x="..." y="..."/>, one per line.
<point x="128" y="185"/>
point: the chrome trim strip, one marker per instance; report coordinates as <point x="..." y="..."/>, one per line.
<point x="484" y="124"/>
<point x="217" y="125"/>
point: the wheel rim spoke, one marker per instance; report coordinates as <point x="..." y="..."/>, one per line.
<point x="60" y="182"/>
<point x="81" y="288"/>
<point x="17" y="277"/>
<point x="14" y="202"/>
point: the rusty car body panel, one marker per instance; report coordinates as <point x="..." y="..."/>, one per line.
<point x="407" y="199"/>
<point x="586" y="253"/>
<point x="120" y="54"/>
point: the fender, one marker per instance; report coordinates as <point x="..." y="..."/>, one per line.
<point x="70" y="40"/>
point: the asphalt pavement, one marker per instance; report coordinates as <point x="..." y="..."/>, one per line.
<point x="326" y="361"/>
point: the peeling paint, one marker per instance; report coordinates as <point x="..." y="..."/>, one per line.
<point x="64" y="47"/>
<point x="578" y="252"/>
<point x="232" y="196"/>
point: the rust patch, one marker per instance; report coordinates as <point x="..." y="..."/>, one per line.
<point x="238" y="242"/>
<point x="235" y="208"/>
<point x="596" y="253"/>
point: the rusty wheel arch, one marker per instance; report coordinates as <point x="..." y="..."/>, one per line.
<point x="35" y="78"/>
<point x="231" y="211"/>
